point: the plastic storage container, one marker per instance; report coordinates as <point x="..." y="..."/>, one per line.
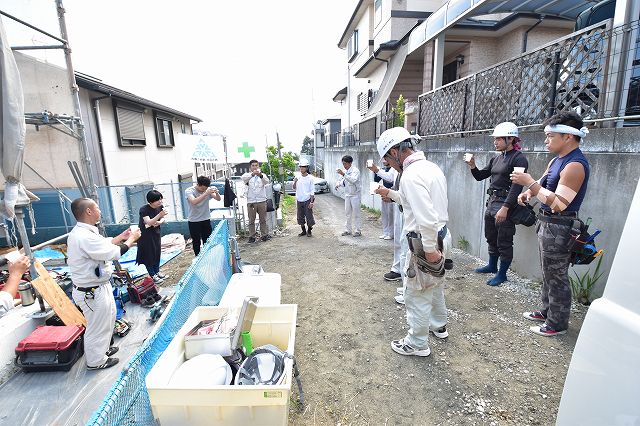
<point x="266" y="286"/>
<point x="225" y="405"/>
<point x="50" y="348"/>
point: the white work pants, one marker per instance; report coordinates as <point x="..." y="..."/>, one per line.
<point x="426" y="309"/>
<point x="100" y="313"/>
<point x="352" y="211"/>
<point x="387" y="210"/>
<point x="400" y="243"/>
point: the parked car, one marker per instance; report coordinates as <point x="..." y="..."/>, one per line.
<point x="321" y="184"/>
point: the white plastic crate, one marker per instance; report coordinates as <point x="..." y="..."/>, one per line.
<point x="225" y="405"/>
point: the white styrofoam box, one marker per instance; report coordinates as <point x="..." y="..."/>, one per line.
<point x="207" y="344"/>
<point x="265" y="286"/>
<point x="225" y="405"/>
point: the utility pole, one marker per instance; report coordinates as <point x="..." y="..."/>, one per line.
<point x="280" y="166"/>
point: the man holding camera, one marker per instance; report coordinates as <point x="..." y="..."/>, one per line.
<point x="256" y="182"/>
<point x="199" y="217"/>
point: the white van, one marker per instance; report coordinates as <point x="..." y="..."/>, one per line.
<point x="603" y="381"/>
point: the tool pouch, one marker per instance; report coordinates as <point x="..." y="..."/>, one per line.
<point x="581" y="246"/>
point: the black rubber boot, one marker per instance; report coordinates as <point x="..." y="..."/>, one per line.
<point x="304" y="231"/>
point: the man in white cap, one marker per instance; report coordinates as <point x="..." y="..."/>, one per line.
<point x="422" y="194"/>
<point x="305" y="196"/>
<point x="499" y="229"/>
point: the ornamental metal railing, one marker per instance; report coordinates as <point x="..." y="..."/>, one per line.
<point x="595" y="72"/>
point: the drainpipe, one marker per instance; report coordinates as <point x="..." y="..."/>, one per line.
<point x="526" y="33"/>
<point x="95" y="103"/>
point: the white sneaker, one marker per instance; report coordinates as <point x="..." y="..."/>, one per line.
<point x="382" y="237"/>
<point x="400" y="291"/>
<point x="441" y="333"/>
<point x="399" y="346"/>
<point x="387" y="237"/>
<point x="400" y="299"/>
<point x="157" y="279"/>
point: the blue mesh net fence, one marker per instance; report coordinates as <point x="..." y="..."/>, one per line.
<point x="127" y="402"/>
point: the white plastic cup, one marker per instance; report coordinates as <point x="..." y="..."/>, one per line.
<point x="133" y="227"/>
<point x="468" y="156"/>
<point x="518" y="169"/>
<point x="372" y="187"/>
<point x="369" y="163"/>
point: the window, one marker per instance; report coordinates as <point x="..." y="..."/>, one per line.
<point x="352" y="46"/>
<point x="377" y="5"/>
<point x="164" y="131"/>
<point x="130" y="125"/>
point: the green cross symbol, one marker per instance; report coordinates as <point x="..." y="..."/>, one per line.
<point x="246" y="149"/>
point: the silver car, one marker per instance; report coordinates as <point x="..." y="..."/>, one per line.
<point x="321" y="184"/>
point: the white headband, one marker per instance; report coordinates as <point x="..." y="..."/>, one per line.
<point x="563" y="128"/>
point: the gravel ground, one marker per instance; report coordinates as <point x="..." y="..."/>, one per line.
<point x="490" y="371"/>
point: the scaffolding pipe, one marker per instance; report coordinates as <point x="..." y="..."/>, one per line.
<point x="84" y="148"/>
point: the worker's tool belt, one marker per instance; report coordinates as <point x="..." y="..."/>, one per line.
<point x="502" y="193"/>
<point x="559" y="218"/>
<point x="581" y="245"/>
<point x="86" y="289"/>
<point x="436" y="269"/>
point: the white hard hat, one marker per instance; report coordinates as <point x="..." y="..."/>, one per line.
<point x="505" y="129"/>
<point x="390" y="138"/>
<point x="303" y="163"/>
<point x="203" y="371"/>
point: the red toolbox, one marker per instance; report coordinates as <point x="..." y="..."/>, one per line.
<point x="51" y="348"/>
<point x="139" y="292"/>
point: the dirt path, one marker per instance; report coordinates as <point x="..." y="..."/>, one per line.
<point x="491" y="370"/>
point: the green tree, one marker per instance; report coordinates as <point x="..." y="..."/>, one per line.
<point x="271" y="167"/>
<point x="399" y="112"/>
<point x="307" y="146"/>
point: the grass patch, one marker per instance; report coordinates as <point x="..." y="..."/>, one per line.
<point x="582" y="285"/>
<point x="371" y="210"/>
<point x="463" y="244"/>
<point x="287" y="205"/>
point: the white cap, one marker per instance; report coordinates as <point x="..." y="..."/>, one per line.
<point x="390" y="138"/>
<point x="505" y="129"/>
<point x="303" y="162"/>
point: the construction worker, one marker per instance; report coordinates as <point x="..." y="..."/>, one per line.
<point x="90" y="263"/>
<point x="350" y="180"/>
<point x="423" y="195"/>
<point x="561" y="189"/>
<point x="499" y="229"/>
<point x="17" y="269"/>
<point x="305" y="197"/>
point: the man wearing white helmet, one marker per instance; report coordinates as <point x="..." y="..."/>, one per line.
<point x="305" y="196"/>
<point x="422" y="194"/>
<point x="499" y="229"/>
<point x="350" y="181"/>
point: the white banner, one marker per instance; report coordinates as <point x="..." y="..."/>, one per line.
<point x="203" y="149"/>
<point x="243" y="150"/>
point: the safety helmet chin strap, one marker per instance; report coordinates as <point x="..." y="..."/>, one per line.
<point x="402" y="146"/>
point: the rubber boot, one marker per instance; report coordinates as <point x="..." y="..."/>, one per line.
<point x="501" y="276"/>
<point x="491" y="267"/>
<point x="304" y="231"/>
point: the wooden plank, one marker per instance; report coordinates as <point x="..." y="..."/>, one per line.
<point x="56" y="298"/>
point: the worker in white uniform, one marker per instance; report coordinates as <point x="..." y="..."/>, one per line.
<point x="17" y="268"/>
<point x="423" y="196"/>
<point x="90" y="257"/>
<point x="400" y="246"/>
<point x="350" y="180"/>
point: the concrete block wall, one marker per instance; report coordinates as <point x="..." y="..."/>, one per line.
<point x="612" y="153"/>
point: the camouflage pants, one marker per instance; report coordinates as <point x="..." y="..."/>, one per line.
<point x="553" y="240"/>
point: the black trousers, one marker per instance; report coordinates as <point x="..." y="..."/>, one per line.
<point x="200" y="232"/>
<point x="499" y="235"/>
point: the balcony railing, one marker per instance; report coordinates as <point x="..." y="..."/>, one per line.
<point x="583" y="71"/>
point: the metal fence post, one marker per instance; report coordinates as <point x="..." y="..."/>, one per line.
<point x="554" y="83"/>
